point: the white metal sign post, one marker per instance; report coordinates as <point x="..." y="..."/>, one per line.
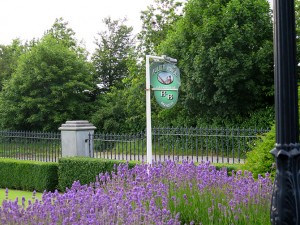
<point x="148" y="112"/>
<point x="148" y="102"/>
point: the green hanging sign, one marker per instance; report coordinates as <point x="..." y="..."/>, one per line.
<point x="165" y="82"/>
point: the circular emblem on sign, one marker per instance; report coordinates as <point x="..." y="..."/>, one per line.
<point x="165" y="78"/>
<point x="165" y="81"/>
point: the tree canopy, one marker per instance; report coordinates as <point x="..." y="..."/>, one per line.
<point x="47" y="88"/>
<point x="157" y="20"/>
<point x="225" y="54"/>
<point x="224" y="50"/>
<point x="9" y="55"/>
<point x="114" y="47"/>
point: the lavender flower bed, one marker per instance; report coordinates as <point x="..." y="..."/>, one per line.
<point x="166" y="193"/>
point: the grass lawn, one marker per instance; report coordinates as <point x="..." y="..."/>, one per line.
<point x="13" y="194"/>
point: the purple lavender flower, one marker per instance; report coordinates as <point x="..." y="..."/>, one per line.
<point x="146" y="194"/>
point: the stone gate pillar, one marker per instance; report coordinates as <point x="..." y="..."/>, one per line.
<point x="75" y="138"/>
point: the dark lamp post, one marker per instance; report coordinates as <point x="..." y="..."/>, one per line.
<point x="285" y="205"/>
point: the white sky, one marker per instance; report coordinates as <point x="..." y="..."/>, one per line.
<point x="28" y="19"/>
<point x="271" y="3"/>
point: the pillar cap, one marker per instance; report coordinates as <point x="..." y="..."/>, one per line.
<point x="77" y="125"/>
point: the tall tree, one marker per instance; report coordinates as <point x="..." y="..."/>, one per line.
<point x="47" y="88"/>
<point x="123" y="109"/>
<point x="61" y="31"/>
<point x="225" y="53"/>
<point x="157" y="20"/>
<point x="9" y="55"/>
<point x="114" y="47"/>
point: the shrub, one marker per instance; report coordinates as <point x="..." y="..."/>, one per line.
<point x="259" y="160"/>
<point x="263" y="118"/>
<point x="28" y="175"/>
<point x="83" y="169"/>
<point x="230" y="168"/>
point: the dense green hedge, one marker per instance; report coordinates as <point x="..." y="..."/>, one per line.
<point x="40" y="176"/>
<point x="28" y="175"/>
<point x="84" y="169"/>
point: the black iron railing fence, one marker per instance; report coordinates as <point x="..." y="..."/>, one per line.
<point x="222" y="145"/>
<point x="40" y="146"/>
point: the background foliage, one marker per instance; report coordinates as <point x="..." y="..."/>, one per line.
<point x="225" y="54"/>
<point x="110" y="58"/>
<point x="224" y="51"/>
<point x="46" y="88"/>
